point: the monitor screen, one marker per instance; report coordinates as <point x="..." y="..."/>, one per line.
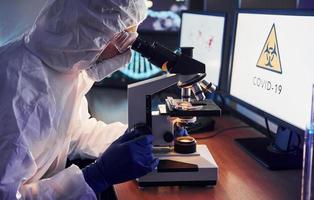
<point x="163" y="15"/>
<point x="206" y="36"/>
<point x="273" y="65"/>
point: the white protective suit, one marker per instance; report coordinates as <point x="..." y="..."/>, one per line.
<point x="43" y="110"/>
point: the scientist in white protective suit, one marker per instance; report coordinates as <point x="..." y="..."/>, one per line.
<point x="44" y="77"/>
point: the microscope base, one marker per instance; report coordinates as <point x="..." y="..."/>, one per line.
<point x="199" y="169"/>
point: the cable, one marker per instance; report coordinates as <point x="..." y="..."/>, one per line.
<point x="222" y="130"/>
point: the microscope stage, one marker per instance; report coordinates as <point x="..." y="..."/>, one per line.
<point x="181" y="169"/>
<point x="205" y="107"/>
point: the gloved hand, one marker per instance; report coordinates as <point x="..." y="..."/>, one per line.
<point x="119" y="44"/>
<point x="124" y="40"/>
<point x="180" y="131"/>
<point x="138" y="130"/>
<point x="127" y="158"/>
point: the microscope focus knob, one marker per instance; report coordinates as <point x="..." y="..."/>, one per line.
<point x="168" y="137"/>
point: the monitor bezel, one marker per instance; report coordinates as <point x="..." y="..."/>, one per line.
<point x="269" y="116"/>
<point x="216" y="14"/>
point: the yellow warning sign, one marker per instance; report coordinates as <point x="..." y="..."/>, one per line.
<point x="269" y="58"/>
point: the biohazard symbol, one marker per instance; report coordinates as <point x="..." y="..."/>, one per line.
<point x="269" y="58"/>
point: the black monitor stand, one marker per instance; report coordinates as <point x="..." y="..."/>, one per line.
<point x="281" y="153"/>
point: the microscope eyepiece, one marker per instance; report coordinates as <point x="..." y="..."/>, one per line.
<point x="166" y="59"/>
<point x="143" y="47"/>
<point x="155" y="53"/>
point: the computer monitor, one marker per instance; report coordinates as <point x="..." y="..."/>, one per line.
<point x="229" y="7"/>
<point x="268" y="4"/>
<point x="163" y="16"/>
<point x="205" y="32"/>
<point x="272" y="68"/>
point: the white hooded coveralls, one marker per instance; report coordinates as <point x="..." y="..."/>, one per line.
<point x="44" y="77"/>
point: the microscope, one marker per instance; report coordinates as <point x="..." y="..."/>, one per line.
<point x="182" y="160"/>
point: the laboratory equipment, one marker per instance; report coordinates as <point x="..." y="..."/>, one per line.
<point x="163" y="16"/>
<point x="207" y="38"/>
<point x="187" y="167"/>
<point x="265" y="79"/>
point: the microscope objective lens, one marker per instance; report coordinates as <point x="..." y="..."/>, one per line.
<point x="186" y="94"/>
<point x="198" y="93"/>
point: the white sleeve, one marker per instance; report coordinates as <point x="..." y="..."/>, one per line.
<point x="18" y="166"/>
<point x="67" y="184"/>
<point x="92" y="137"/>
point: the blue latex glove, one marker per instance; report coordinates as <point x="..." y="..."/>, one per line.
<point x="129" y="157"/>
<point x="180" y="131"/>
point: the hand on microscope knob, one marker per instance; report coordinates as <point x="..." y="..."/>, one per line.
<point x="127" y="158"/>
